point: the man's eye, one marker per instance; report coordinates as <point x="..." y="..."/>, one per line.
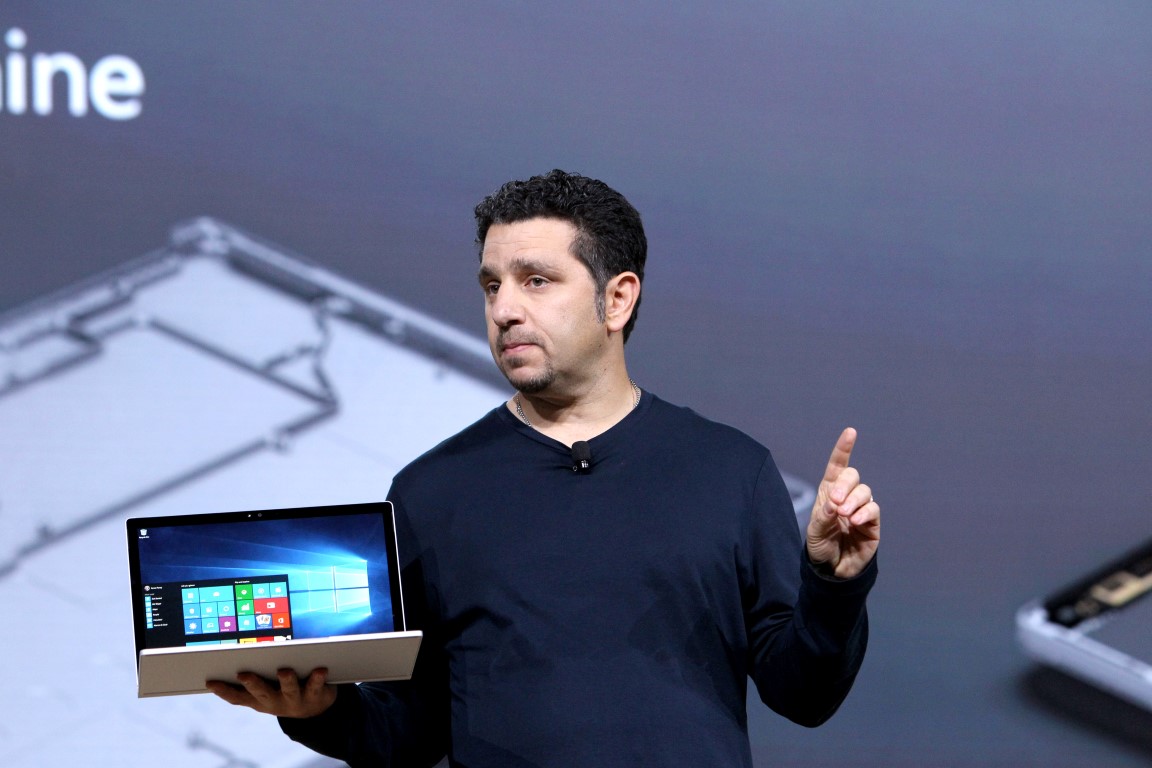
<point x="537" y="282"/>
<point x="491" y="288"/>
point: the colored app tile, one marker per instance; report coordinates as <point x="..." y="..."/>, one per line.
<point x="227" y="624"/>
<point x="281" y="621"/>
<point x="216" y="594"/>
<point x="191" y="610"/>
<point x="278" y="605"/>
<point x="207" y="609"/>
<point x="259" y="590"/>
<point x="263" y="621"/>
<point x="192" y="627"/>
<point x="247" y="640"/>
<point x="245" y="608"/>
<point x="246" y="623"/>
<point x="226" y="609"/>
<point x="243" y="591"/>
<point x="211" y="626"/>
<point x="278" y="589"/>
<point x="191" y="595"/>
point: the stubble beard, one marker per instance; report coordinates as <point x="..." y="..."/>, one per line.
<point x="522" y="380"/>
<point x="529" y="384"/>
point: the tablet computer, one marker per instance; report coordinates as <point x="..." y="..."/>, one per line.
<point x="216" y="594"/>
<point x="1097" y="627"/>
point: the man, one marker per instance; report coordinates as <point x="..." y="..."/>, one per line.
<point x="597" y="572"/>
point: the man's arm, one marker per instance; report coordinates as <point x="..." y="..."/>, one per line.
<point x="363" y="725"/>
<point x="370" y="724"/>
<point x="378" y="724"/>
<point x="806" y="618"/>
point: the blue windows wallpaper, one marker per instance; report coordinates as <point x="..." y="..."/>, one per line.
<point x="301" y="578"/>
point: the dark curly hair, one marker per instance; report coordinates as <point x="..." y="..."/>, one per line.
<point x="609" y="235"/>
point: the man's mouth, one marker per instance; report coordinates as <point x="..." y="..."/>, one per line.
<point x="514" y="345"/>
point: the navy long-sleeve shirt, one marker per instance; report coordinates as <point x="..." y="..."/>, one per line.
<point x="607" y="617"/>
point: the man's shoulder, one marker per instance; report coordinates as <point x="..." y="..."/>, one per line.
<point x="477" y="436"/>
<point x="686" y="424"/>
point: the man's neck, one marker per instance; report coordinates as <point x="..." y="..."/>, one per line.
<point x="569" y="418"/>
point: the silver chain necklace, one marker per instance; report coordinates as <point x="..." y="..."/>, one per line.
<point x="524" y="417"/>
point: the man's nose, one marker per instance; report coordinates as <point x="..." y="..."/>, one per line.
<point x="506" y="308"/>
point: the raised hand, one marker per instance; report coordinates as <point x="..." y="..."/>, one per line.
<point x="844" y="530"/>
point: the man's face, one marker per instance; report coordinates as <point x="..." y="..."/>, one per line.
<point x="540" y="307"/>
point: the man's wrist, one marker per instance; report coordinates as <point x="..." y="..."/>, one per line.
<point x="825" y="570"/>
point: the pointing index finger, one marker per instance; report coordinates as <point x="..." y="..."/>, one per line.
<point x="838" y="461"/>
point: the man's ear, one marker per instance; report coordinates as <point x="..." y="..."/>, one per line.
<point x="620" y="297"/>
